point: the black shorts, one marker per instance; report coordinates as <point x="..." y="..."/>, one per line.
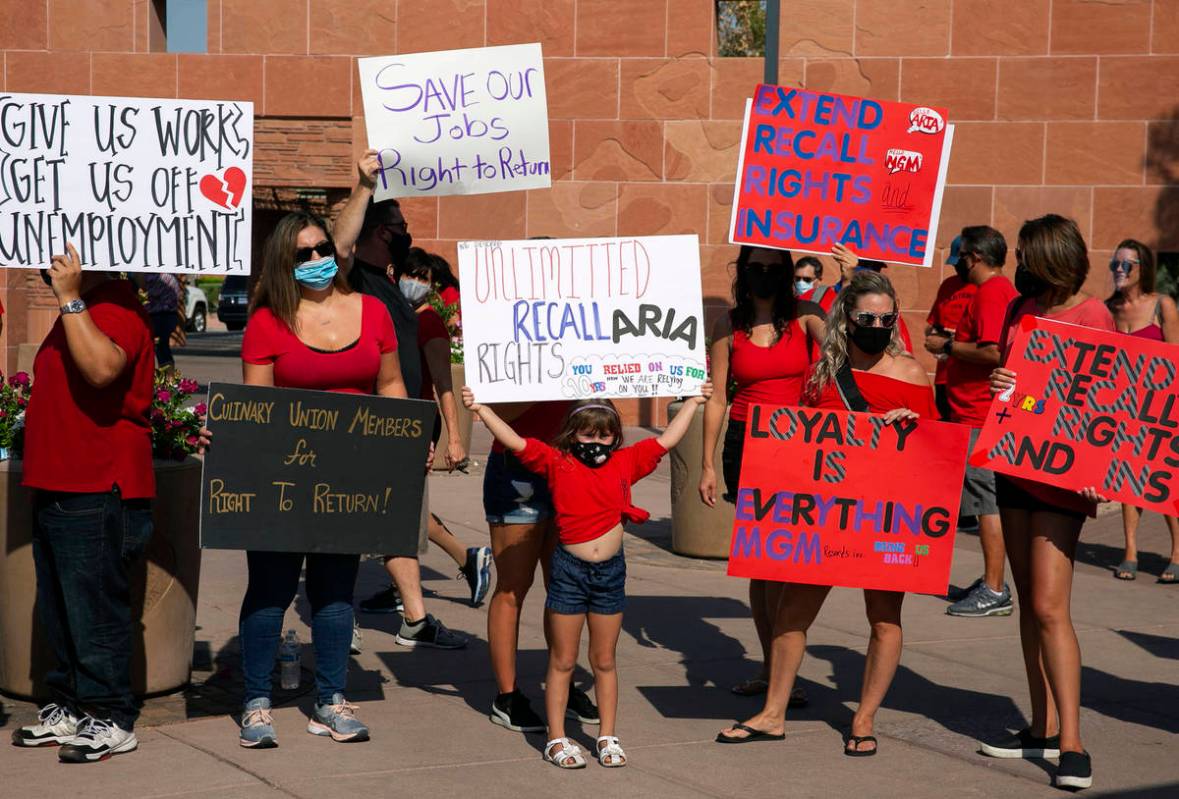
<point x="731" y="458"/>
<point x="1009" y="494"/>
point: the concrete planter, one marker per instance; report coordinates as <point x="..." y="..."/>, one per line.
<point x="163" y="587"/>
<point x="696" y="529"/>
<point x="457" y="379"/>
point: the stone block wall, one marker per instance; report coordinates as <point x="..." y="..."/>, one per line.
<point x="1061" y="105"/>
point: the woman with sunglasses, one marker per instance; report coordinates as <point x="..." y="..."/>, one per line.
<point x="1041" y="523"/>
<point x="307" y="329"/>
<point x="1138" y="310"/>
<point x="862" y="367"/>
<point x="763" y="347"/>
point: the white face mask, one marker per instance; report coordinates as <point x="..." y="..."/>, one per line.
<point x="803" y="286"/>
<point x="413" y="290"/>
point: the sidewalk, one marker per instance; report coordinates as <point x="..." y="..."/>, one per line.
<point x="687" y="637"/>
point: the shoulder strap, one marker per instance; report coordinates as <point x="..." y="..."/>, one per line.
<point x="820" y="290"/>
<point x="849" y="392"/>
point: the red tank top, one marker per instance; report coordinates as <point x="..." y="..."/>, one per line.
<point x="773" y="375"/>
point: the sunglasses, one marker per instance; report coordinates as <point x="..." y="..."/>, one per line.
<point x="1122" y="266"/>
<point x="324" y="249"/>
<point x="869" y="319"/>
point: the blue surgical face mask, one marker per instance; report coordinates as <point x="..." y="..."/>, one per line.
<point x="413" y="290"/>
<point x="317" y="275"/>
<point x="803" y="286"/>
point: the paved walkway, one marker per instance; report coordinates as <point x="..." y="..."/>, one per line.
<point x="687" y="637"/>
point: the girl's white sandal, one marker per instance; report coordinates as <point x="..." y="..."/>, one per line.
<point x="568" y="756"/>
<point x="611" y="750"/>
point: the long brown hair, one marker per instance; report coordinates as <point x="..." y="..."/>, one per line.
<point x="833" y="354"/>
<point x="1146" y="270"/>
<point x="277" y="288"/>
<point x="589" y="416"/>
<point x="1051" y="248"/>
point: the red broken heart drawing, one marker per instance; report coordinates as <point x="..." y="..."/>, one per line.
<point x="226" y="191"/>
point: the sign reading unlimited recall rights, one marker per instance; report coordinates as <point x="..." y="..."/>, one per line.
<point x="313" y="471"/>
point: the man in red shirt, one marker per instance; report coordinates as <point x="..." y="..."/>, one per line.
<point x="953" y="298"/>
<point x="88" y="455"/>
<point x="972" y="353"/>
<point x="808" y="271"/>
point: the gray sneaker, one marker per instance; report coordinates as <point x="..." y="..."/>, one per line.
<point x="338" y="720"/>
<point x="257" y="726"/>
<point x="982" y="601"/>
<point x="429" y="632"/>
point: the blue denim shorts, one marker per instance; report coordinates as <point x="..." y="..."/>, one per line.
<point x="512" y="494"/>
<point x="578" y="586"/>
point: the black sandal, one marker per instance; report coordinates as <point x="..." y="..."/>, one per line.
<point x="754" y="735"/>
<point x="855" y="741"/>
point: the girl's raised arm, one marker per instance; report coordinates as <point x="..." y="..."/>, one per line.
<point x="502" y="431"/>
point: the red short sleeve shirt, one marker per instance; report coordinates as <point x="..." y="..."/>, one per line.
<point x="430" y="328"/>
<point x="954" y="296"/>
<point x="968" y="384"/>
<point x="590" y="502"/>
<point x="351" y="370"/>
<point x="82" y="439"/>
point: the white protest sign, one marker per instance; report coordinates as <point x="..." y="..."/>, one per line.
<point x="457" y="121"/>
<point x="549" y="319"/>
<point x="136" y="185"/>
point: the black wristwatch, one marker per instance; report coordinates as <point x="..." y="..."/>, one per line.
<point x="948" y="347"/>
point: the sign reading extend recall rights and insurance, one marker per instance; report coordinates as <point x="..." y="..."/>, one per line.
<point x="1090" y="408"/>
<point x="457" y="121"/>
<point x="835" y="498"/>
<point x="550" y="319"/>
<point x="818" y="169"/>
<point x="136" y="185"/>
<point x="292" y="470"/>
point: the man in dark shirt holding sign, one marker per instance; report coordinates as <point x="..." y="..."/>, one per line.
<point x="971" y="355"/>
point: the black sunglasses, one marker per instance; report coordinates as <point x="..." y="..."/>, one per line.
<point x="322" y="250"/>
<point x="869" y="319"/>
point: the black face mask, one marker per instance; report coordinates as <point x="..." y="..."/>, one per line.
<point x="963" y="270"/>
<point x="763" y="284"/>
<point x="1027" y="284"/>
<point x="871" y="340"/>
<point x="592" y="454"/>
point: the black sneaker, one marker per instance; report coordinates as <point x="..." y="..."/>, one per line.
<point x="1075" y="771"/>
<point x="387" y="601"/>
<point x="581" y="708"/>
<point x="430" y="632"/>
<point x="1023" y="745"/>
<point x="477" y="573"/>
<point x="957" y="594"/>
<point x="515" y="712"/>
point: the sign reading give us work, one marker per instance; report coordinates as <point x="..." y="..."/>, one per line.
<point x="457" y="121"/>
<point x="822" y="169"/>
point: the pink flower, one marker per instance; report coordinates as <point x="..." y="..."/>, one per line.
<point x="201" y="409"/>
<point x="192" y="441"/>
<point x="164" y="395"/>
<point x="157" y="415"/>
<point x="20" y="379"/>
<point x="3" y="413"/>
<point x="189" y="386"/>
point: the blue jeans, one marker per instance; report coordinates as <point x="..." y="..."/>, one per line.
<point x="579" y="586"/>
<point x="273" y="581"/>
<point x="83" y="548"/>
<point x="512" y="494"/>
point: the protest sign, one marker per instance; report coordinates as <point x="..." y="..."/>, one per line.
<point x="457" y="121"/>
<point x="135" y="185"/>
<point x="558" y="319"/>
<point x="839" y="498"/>
<point x="819" y="169"/>
<point x="313" y="471"/>
<point x="1090" y="408"/>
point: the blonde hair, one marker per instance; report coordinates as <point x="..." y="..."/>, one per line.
<point x="833" y="354"/>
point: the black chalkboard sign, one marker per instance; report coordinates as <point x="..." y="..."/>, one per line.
<point x="313" y="471"/>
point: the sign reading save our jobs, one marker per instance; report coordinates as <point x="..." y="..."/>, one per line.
<point x="457" y="121"/>
<point x="550" y="319"/>
<point x="829" y="498"/>
<point x="1090" y="408"/>
<point x="821" y="169"/>
<point x="313" y="471"/>
<point x="135" y="185"/>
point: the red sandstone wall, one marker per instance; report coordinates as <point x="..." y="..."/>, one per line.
<point x="1061" y="105"/>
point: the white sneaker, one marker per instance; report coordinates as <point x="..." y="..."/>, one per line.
<point x="55" y="725"/>
<point x="97" y="739"/>
<point x="357" y="639"/>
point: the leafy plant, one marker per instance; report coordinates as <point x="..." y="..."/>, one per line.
<point x="14" y="397"/>
<point x="454" y="326"/>
<point x="174" y="425"/>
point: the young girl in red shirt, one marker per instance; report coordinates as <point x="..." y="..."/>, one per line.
<point x="590" y="474"/>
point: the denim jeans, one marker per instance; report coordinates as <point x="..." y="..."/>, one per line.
<point x="273" y="581"/>
<point x="83" y="548"/>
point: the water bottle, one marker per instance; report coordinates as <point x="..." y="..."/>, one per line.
<point x="288" y="658"/>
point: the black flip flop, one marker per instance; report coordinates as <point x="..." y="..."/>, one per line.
<point x="754" y="735"/>
<point x="856" y="740"/>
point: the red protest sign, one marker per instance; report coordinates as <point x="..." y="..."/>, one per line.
<point x="1089" y="408"/>
<point x="819" y="169"/>
<point x="839" y="498"/>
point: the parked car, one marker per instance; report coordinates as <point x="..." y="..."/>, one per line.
<point x="233" y="306"/>
<point x="196" y="309"/>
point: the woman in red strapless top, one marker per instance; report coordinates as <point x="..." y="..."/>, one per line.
<point x="895" y="385"/>
<point x="1138" y="310"/>
<point x="763" y="348"/>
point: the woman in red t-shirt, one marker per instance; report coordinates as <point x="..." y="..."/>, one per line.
<point x="590" y="477"/>
<point x="1042" y="523"/>
<point x="863" y="342"/>
<point x="763" y="346"/>
<point x="307" y="329"/>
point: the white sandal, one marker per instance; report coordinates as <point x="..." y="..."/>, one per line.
<point x="612" y="750"/>
<point x="568" y="756"/>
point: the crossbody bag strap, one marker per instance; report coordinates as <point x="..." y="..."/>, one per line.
<point x="849" y="392"/>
